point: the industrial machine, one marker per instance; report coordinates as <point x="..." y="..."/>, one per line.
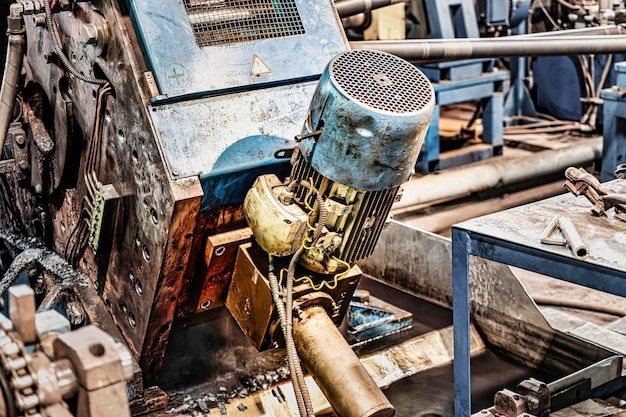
<point x="169" y="166"/>
<point x="140" y="139"/>
<point x="49" y="370"/>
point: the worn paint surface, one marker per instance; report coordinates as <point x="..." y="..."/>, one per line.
<point x="180" y="65"/>
<point x="377" y="144"/>
<point x="605" y="236"/>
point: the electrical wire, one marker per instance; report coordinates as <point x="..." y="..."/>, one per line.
<point x="303" y="398"/>
<point x="78" y="239"/>
<point x="58" y="49"/>
<point x="322" y="284"/>
<point x="92" y="166"/>
<point x="292" y="355"/>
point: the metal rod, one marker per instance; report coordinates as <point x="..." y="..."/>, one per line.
<point x="497" y="172"/>
<point x="593" y="31"/>
<point x="546" y="235"/>
<point x="421" y="51"/>
<point x="442" y="219"/>
<point x="347" y="8"/>
<point x="574" y="241"/>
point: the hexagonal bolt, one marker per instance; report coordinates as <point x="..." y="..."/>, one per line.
<point x="75" y="313"/>
<point x="39" y="20"/>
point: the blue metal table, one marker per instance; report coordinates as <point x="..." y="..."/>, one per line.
<point x="614" y="118"/>
<point x="486" y="86"/>
<point x="512" y="237"/>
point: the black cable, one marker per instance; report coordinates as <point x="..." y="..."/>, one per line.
<point x="58" y="50"/>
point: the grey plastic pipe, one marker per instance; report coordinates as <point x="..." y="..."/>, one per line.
<point x="12" y="70"/>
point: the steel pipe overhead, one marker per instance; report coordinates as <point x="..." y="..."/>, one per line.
<point x="497" y="172"/>
<point x="593" y="31"/>
<point x="347" y="8"/>
<point x="420" y="51"/>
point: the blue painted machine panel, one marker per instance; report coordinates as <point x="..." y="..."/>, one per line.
<point x="232" y="57"/>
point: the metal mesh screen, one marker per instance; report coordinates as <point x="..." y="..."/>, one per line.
<point x="218" y="22"/>
<point x="382" y="81"/>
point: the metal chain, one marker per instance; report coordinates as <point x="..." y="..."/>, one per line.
<point x="14" y="362"/>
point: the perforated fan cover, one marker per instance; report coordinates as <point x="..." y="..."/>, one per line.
<point x="381" y="81"/>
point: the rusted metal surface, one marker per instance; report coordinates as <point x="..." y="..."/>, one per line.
<point x="509" y="403"/>
<point x="63" y="280"/>
<point x="208" y="223"/>
<point x="249" y="297"/>
<point x="100" y="372"/>
<point x="580" y="182"/>
<point x="219" y="259"/>
<point x="128" y="150"/>
<point x="22" y="312"/>
<point x="87" y="365"/>
<point x="188" y="194"/>
<point x="153" y="399"/>
<point x="412" y="357"/>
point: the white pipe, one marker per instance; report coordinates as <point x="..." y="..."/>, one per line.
<point x="497" y="172"/>
<point x="12" y="70"/>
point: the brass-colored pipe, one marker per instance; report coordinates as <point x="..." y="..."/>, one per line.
<point x="335" y="367"/>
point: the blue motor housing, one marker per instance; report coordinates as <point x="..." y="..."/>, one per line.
<point x="367" y="120"/>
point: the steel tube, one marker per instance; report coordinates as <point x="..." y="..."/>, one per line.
<point x="593" y="31"/>
<point x="337" y="370"/>
<point x="572" y="237"/>
<point x="497" y="172"/>
<point x="347" y="8"/>
<point x="12" y="72"/>
<point x="420" y="51"/>
<point x="442" y="220"/>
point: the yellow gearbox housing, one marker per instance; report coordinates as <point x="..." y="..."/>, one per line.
<point x="278" y="228"/>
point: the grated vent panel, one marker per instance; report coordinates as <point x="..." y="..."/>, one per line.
<point x="216" y="22"/>
<point x="382" y="81"/>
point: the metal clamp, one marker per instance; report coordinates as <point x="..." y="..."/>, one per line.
<point x="580" y="182"/>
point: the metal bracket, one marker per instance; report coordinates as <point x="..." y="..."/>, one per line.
<point x="371" y="318"/>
